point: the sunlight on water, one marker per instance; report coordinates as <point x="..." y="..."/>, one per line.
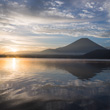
<point x="14" y="63"/>
<point x="53" y="83"/>
<point x="12" y="68"/>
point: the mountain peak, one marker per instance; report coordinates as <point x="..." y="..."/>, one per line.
<point x="81" y="46"/>
<point x="84" y="39"/>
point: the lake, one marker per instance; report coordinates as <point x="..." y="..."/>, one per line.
<point x="54" y="84"/>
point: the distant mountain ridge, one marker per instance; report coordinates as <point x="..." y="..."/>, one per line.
<point x="81" y="46"/>
<point x="99" y="54"/>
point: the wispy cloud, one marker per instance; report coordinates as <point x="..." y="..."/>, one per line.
<point x="27" y="20"/>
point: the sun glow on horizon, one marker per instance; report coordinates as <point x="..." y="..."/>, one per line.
<point x="14" y="50"/>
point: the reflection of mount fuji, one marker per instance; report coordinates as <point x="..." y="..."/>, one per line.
<point x="82" y="70"/>
<point x="81" y="46"/>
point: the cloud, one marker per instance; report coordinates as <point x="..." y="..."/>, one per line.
<point x="48" y="19"/>
<point x="89" y="5"/>
<point x="44" y="10"/>
<point x="101" y="9"/>
<point x="73" y="29"/>
<point x="34" y="9"/>
<point x="83" y="15"/>
<point x="106" y="6"/>
<point x="106" y="34"/>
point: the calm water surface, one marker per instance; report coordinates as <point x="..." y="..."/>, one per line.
<point x="54" y="84"/>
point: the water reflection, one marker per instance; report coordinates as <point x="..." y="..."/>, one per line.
<point x="53" y="84"/>
<point x="82" y="70"/>
<point x="14" y="63"/>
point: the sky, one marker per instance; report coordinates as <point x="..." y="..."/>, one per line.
<point x="35" y="25"/>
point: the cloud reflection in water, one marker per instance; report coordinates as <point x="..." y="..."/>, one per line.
<point x="50" y="84"/>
